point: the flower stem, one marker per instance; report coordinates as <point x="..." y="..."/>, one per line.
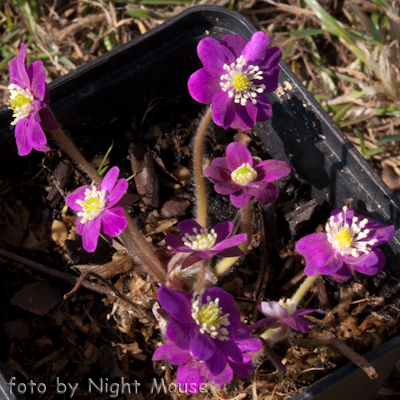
<point x="226" y="263"/>
<point x="84" y="165"/>
<point x="198" y="169"/>
<point x="202" y="275"/>
<point x="131" y="236"/>
<point x="303" y="289"/>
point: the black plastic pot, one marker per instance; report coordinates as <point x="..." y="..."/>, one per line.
<point x="120" y="84"/>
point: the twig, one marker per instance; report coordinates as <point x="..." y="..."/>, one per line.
<point x="347" y="351"/>
<point x="137" y="308"/>
<point x="52" y="273"/>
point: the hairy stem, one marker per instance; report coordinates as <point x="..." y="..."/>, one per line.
<point x="131" y="236"/>
<point x="303" y="289"/>
<point x="198" y="169"/>
<point x="226" y="263"/>
<point x="202" y="275"/>
<point x="83" y="164"/>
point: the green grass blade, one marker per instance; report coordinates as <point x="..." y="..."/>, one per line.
<point x="330" y="23"/>
<point x="341" y="113"/>
<point x="105" y="157"/>
<point x="307" y="32"/>
<point x="28" y="17"/>
<point x="362" y="141"/>
<point x="378" y="150"/>
<point x="388" y="139"/>
<point x="67" y="62"/>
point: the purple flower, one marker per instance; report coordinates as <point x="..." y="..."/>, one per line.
<point x="236" y="76"/>
<point x="208" y="340"/>
<point x="29" y="99"/>
<point x="349" y="244"/>
<point x="204" y="244"/>
<point x="281" y="315"/>
<point x="242" y="177"/>
<point x="100" y="209"/>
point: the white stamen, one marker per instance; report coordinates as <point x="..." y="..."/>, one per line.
<point x="93" y="205"/>
<point x="239" y="82"/>
<point x="201" y="241"/>
<point x="16" y="95"/>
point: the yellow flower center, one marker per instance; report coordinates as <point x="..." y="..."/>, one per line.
<point x="200" y="241"/>
<point x="348" y="237"/>
<point x="209" y="317"/>
<point x="209" y="314"/>
<point x="343" y="237"/>
<point x="241" y="82"/>
<point x="244" y="174"/>
<point x="20" y="102"/>
<point x="93" y="204"/>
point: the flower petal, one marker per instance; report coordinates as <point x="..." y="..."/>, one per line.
<point x="231" y="252"/>
<point x="264" y="195"/>
<point x="303" y="311"/>
<point x="217" y="363"/>
<point x="173" y="354"/>
<point x="109" y="180"/>
<point x="344" y="274"/>
<point x="270" y="61"/>
<point x="264" y="108"/>
<point x="221" y="379"/>
<point x="245" y="116"/>
<point x="319" y="254"/>
<point x="18" y="70"/>
<point x="214" y="55"/>
<point x="272" y="309"/>
<point x="36" y="136"/>
<point x="271" y="170"/>
<point x="187" y="226"/>
<point x="202" y="346"/>
<point x="251" y="344"/>
<point x="237" y="154"/>
<point x="370" y="264"/>
<point x="270" y="78"/>
<point x="235" y="43"/>
<point x="231" y="350"/>
<point x="175" y="303"/>
<point x="192" y="373"/>
<point x="218" y="171"/>
<point x="37" y="77"/>
<point x="223" y="230"/>
<point x="262" y="322"/>
<point x="21" y="137"/>
<point x="240" y="199"/>
<point x="255" y="51"/>
<point x="113" y="221"/>
<point x="77" y="194"/>
<point x="47" y="120"/>
<point x="297" y="323"/>
<point x="127" y="199"/>
<point x="223" y="110"/>
<point x="190" y="260"/>
<point x="231" y="242"/>
<point x="117" y="192"/>
<point x="243" y="370"/>
<point x="228" y="187"/>
<point x="179" y="333"/>
<point x="90" y="234"/>
<point x="203" y="86"/>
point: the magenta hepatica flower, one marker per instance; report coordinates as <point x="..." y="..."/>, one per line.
<point x="29" y="99"/>
<point x="242" y="177"/>
<point x="284" y="314"/>
<point x="349" y="244"/>
<point x="208" y="340"/>
<point x="203" y="243"/>
<point x="236" y="76"/>
<point x="100" y="208"/>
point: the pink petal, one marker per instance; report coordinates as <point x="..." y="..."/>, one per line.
<point x="37" y="77"/>
<point x="126" y="199"/>
<point x="202" y="347"/>
<point x="178" y="333"/>
<point x="240" y="198"/>
<point x="237" y="154"/>
<point x="235" y="43"/>
<point x="231" y="242"/>
<point x="231" y="350"/>
<point x="113" y="221"/>
<point x="256" y="49"/>
<point x="272" y="309"/>
<point x="245" y="116"/>
<point x="221" y="379"/>
<point x="109" y="180"/>
<point x="227" y="187"/>
<point x="190" y="260"/>
<point x="264" y="108"/>
<point x="117" y="192"/>
<point x="262" y="322"/>
<point x="47" y="120"/>
<point x="271" y="60"/>
<point x="36" y="135"/>
<point x="344" y="274"/>
<point x="297" y="323"/>
<point x="187" y="226"/>
<point x="173" y="354"/>
<point x="202" y="86"/>
<point x="24" y="145"/>
<point x="77" y="194"/>
<point x="18" y="70"/>
<point x="273" y="169"/>
<point x="231" y="252"/>
<point x="264" y="195"/>
<point x="223" y="110"/>
<point x="217" y="363"/>
<point x="175" y="303"/>
<point x="243" y="370"/>
<point x="213" y="55"/>
<point x="270" y="79"/>
<point x="192" y="373"/>
<point x="223" y="230"/>
<point x="371" y="264"/>
<point x="90" y="234"/>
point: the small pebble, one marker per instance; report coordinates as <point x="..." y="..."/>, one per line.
<point x="176" y="207"/>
